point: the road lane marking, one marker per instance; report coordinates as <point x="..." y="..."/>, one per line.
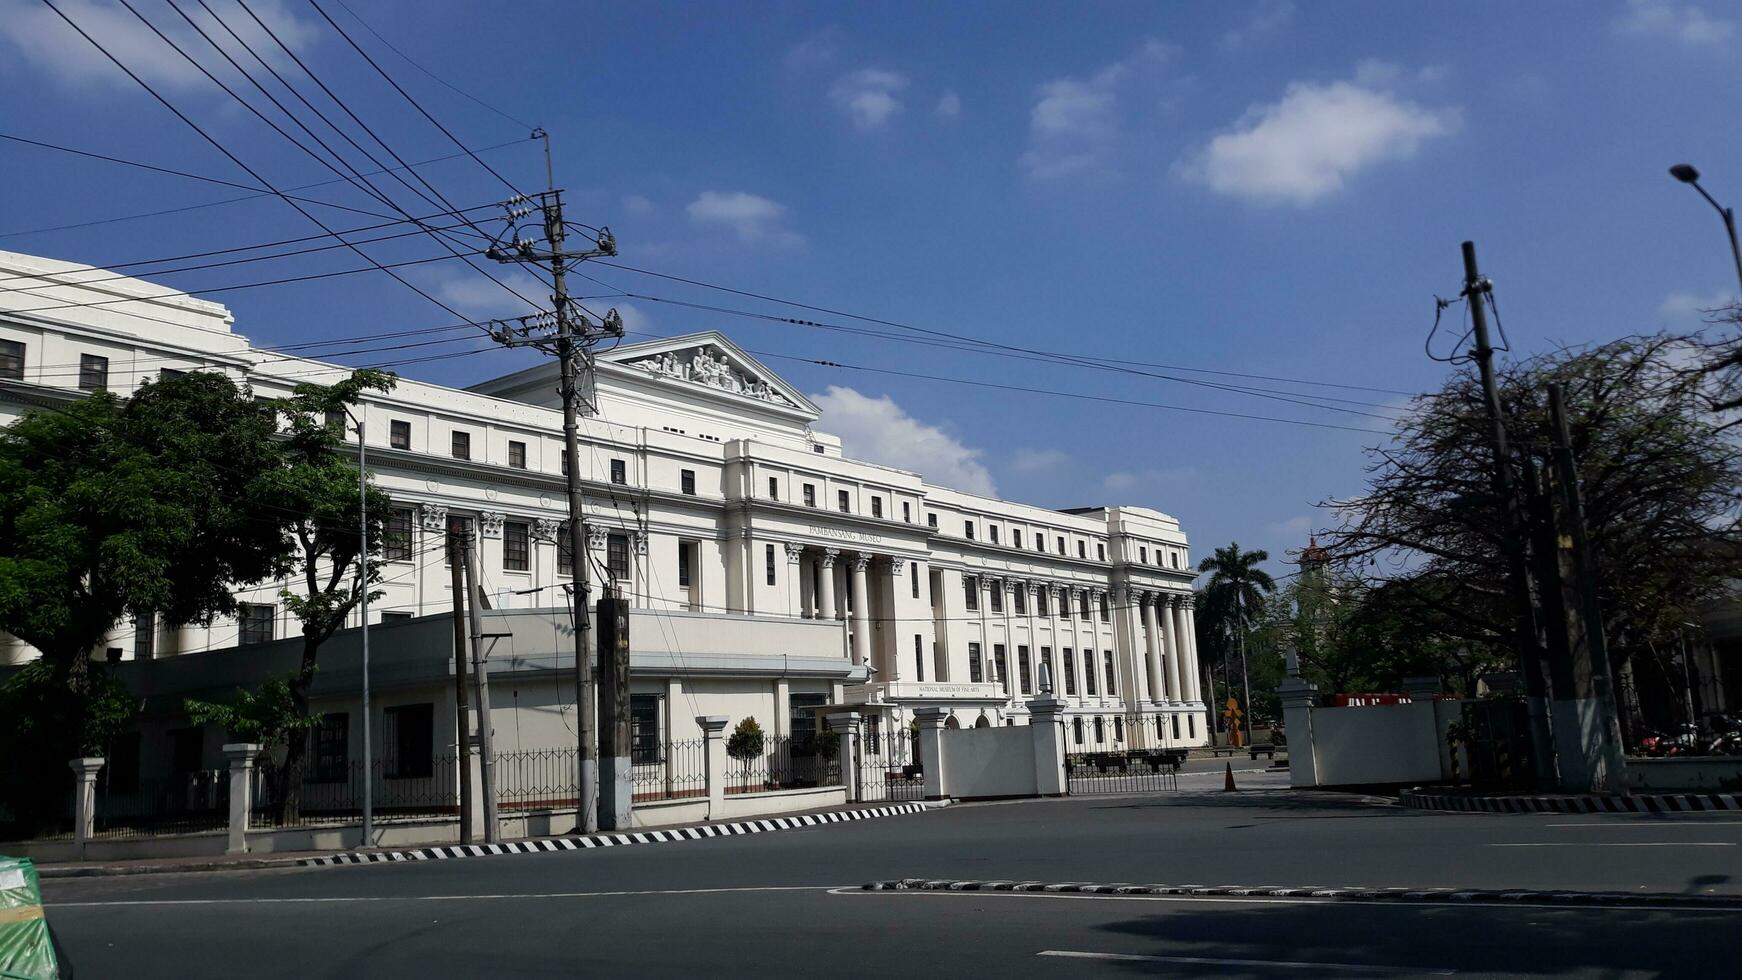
<point x="1218" y="961"/>
<point x="1328" y="903"/>
<point x="1628" y="843"/>
<point x="433" y="898"/>
<point x="1655" y="824"/>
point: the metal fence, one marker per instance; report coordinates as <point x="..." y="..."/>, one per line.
<point x="784" y="763"/>
<point x="335" y="797"/>
<point x="889" y="766"/>
<point x="679" y="772"/>
<point x="183" y="803"/>
<point x="1131" y="771"/>
<point x="536" y="779"/>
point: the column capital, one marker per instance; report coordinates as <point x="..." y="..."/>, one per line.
<point x="897" y="567"/>
<point x="434" y="516"/>
<point x="1096" y="592"/>
<point x="639" y="538"/>
<point x="794" y="551"/>
<point x="596" y="536"/>
<point x="86" y="766"/>
<point x="931" y="717"/>
<point x="844" y="721"/>
<point x="829" y="556"/>
<point x="490" y="523"/>
<point x="712" y="725"/>
<point x="861" y="561"/>
<point x="545" y="528"/>
<point x="1188" y="601"/>
<point x="241" y="753"/>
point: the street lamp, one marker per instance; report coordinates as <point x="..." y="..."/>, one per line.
<point x="363" y="583"/>
<point x="1686" y="173"/>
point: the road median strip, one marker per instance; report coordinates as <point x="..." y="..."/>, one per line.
<point x="1471" y="896"/>
<point x="1570" y="803"/>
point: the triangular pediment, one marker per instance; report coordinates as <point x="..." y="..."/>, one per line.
<point x="709" y="360"/>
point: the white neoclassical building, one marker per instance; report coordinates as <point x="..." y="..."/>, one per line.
<point x="772" y="574"/>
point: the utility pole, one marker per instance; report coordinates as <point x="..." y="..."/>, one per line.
<point x="617" y="787"/>
<point x="363" y="584"/>
<point x="462" y="711"/>
<point x="1476" y="290"/>
<point x="1593" y="683"/>
<point x="572" y="347"/>
<point x="481" y="676"/>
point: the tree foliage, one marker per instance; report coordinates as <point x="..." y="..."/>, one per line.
<point x="746" y="741"/>
<point x="1230" y="603"/>
<point x="1426" y="541"/>
<point x="267" y="717"/>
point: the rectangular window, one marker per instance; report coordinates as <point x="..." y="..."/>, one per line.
<point x="1189" y="720"/>
<point x="1016" y="537"/>
<point x="644" y="740"/>
<point x="1077" y="730"/>
<point x="334" y="420"/>
<point x="998" y="597"/>
<point x="1112" y="676"/>
<point x="931" y="521"/>
<point x="516" y="546"/>
<point x="801" y="721"/>
<point x="93" y="372"/>
<point x="686" y="481"/>
<point x="1100" y="551"/>
<point x="975" y="675"/>
<point x="144" y="636"/>
<point x="517" y="454"/>
<point x="1083" y="602"/>
<point x="1105" y="612"/>
<point x="1065" y="604"/>
<point x="1070" y="672"/>
<point x="1040" y="602"/>
<point x="906" y="512"/>
<point x="462" y="445"/>
<point x="565" y="550"/>
<point x="330" y="747"/>
<point x="810" y="495"/>
<point x="1020" y="595"/>
<point x="1191" y="725"/>
<point x="254" y="623"/>
<point x="1022" y="665"/>
<point x="919" y="658"/>
<point x="968" y="530"/>
<point x="843" y="501"/>
<point x="1082" y="549"/>
<point x="992" y="533"/>
<point x="1001" y="668"/>
<point x="874" y="734"/>
<point x="395" y="617"/>
<point x="399" y="434"/>
<point x="683" y="564"/>
<point x="1061" y="545"/>
<point x="617" y="556"/>
<point x="768" y="561"/>
<point x="410" y="741"/>
<point x="971" y="592"/>
<point x="1090" y="681"/>
<point x="1118" y="729"/>
<point x="163" y="374"/>
<point x="1052" y="677"/>
<point x="913" y="575"/>
<point x="396" y="541"/>
<point x="876" y="506"/>
<point x="187" y="750"/>
<point x="11" y="360"/>
<point x="774" y="488"/>
<point x="1142" y="555"/>
<point x="619" y="472"/>
<point x="1040" y="541"/>
<point x="565" y="462"/>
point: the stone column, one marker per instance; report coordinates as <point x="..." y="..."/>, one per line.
<point x="795" y="581"/>
<point x="1298" y="698"/>
<point x="1189" y="670"/>
<point x="1176" y="648"/>
<point x="1027" y="589"/>
<point x="1046" y="719"/>
<point x="931" y="756"/>
<point x="84" y="800"/>
<point x="1095" y="597"/>
<point x="861" y="625"/>
<point x="714" y="762"/>
<point x="241" y="756"/>
<point x="826" y="580"/>
<point x="846" y="725"/>
<point x="638" y="590"/>
<point x="896" y="627"/>
<point x="1152" y="649"/>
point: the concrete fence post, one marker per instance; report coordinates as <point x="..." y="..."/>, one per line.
<point x="241" y="756"/>
<point x="1047" y="719"/>
<point x="1298" y="698"/>
<point x="846" y="725"/>
<point x="714" y="762"/>
<point x="85" y="800"/>
<point x="931" y="752"/>
<point x="472" y="758"/>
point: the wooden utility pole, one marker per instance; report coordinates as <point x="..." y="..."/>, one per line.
<point x="481" y="676"/>
<point x="617" y="778"/>
<point x="462" y="711"/>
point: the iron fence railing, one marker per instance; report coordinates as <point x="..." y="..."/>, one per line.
<point x="1125" y="771"/>
<point x="679" y="772"/>
<point x="334" y="797"/>
<point x="784" y="763"/>
<point x="889" y="767"/>
<point x="182" y="803"/>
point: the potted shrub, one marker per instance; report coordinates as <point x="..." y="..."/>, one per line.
<point x="746" y="743"/>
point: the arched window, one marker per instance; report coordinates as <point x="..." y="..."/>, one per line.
<point x="983" y="722"/>
<point x="952" y="724"/>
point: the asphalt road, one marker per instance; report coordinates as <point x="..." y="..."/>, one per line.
<point x="787" y="904"/>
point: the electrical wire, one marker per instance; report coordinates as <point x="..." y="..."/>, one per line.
<point x="410" y="61"/>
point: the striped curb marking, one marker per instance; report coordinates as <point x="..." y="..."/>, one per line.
<point x="617" y="840"/>
<point x="1472" y="896"/>
<point x="1643" y="803"/>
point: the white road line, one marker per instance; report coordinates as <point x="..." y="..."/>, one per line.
<point x="435" y="898"/>
<point x="1217" y="961"/>
<point x="1655" y="823"/>
<point x="1630" y="843"/>
<point x="1263" y="900"/>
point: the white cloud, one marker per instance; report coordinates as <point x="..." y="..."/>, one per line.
<point x="949" y="105"/>
<point x="635" y="204"/>
<point x="1148" y="482"/>
<point x="753" y="217"/>
<point x="1310" y="143"/>
<point x="1690" y="308"/>
<point x="869" y="96"/>
<point x="1075" y="121"/>
<point x="45" y="41"/>
<point x="475" y="295"/>
<point x="818" y="50"/>
<point x="1038" y="460"/>
<point x="1268" y="17"/>
<point x="1682" y="22"/>
<point x="880" y="431"/>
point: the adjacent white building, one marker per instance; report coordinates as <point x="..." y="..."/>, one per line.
<point x="773" y="573"/>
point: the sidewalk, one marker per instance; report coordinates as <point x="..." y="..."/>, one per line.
<point x="291" y="859"/>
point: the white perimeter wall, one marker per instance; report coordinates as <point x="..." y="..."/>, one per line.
<point x="981" y="762"/>
<point x="1385" y="743"/>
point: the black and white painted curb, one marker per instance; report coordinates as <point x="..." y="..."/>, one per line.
<point x="1639" y="803"/>
<point x="672" y="836"/>
<point x="1472" y="896"/>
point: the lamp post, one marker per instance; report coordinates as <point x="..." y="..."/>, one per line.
<point x="363" y="584"/>
<point x="1686" y="173"/>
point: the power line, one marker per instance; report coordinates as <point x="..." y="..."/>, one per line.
<point x="409" y="60"/>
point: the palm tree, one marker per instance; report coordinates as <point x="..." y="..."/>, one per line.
<point x="1234" y="596"/>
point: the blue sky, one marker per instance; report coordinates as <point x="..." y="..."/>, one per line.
<point x="1270" y="188"/>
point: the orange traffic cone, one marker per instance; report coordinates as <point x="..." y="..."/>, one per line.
<point x="1228" y="780"/>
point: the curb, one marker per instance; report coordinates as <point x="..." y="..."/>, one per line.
<point x="1463" y="896"/>
<point x="1588" y="803"/>
<point x="545" y="844"/>
<point x="119" y="870"/>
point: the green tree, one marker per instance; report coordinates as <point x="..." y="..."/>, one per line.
<point x="267" y="717"/>
<point x="746" y="743"/>
<point x="148" y="505"/>
<point x="1232" y="601"/>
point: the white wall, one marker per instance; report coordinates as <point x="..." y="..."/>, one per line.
<point x="986" y="762"/>
<point x="1386" y="743"/>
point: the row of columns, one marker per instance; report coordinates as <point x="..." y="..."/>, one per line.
<point x="1170" y="652"/>
<point x="822" y="602"/>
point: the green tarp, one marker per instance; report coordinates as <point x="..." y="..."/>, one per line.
<point x="26" y="953"/>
